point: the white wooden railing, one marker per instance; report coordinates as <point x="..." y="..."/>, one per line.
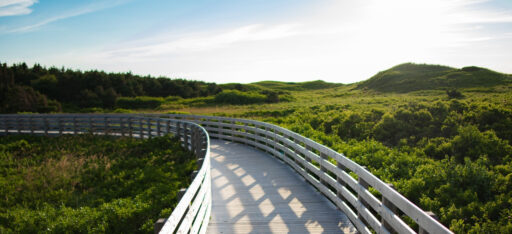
<point x="192" y="213"/>
<point x="328" y="171"/>
<point x="325" y="169"/>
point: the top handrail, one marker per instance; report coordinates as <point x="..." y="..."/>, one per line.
<point x="328" y="171"/>
<point x="323" y="167"/>
<point x="192" y="213"/>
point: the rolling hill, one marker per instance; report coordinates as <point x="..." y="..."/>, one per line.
<point x="410" y="77"/>
<point x="295" y="86"/>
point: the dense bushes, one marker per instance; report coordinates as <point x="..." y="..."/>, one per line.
<point x="139" y="102"/>
<point x="89" y="184"/>
<point x="236" y="97"/>
<point x="450" y="157"/>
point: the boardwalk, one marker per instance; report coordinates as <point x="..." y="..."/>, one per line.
<point x="255" y="193"/>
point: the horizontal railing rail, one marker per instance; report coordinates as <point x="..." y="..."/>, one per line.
<point x="192" y="213"/>
<point x="329" y="172"/>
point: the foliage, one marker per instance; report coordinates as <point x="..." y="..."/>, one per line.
<point x="453" y="93"/>
<point x="86" y="183"/>
<point x="95" y="88"/>
<point x="139" y="102"/>
<point x="451" y="157"/>
<point x="236" y="97"/>
<point x="412" y="77"/>
<point x="25" y="99"/>
<point x="448" y="155"/>
<point x="295" y="86"/>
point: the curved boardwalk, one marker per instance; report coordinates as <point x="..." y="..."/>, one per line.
<point x="256" y="193"/>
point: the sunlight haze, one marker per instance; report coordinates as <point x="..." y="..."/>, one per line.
<point x="231" y="41"/>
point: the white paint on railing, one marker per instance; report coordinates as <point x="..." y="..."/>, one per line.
<point x="314" y="162"/>
<point x="193" y="209"/>
<point x="310" y="159"/>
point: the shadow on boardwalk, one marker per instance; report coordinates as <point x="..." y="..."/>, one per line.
<point x="256" y="193"/>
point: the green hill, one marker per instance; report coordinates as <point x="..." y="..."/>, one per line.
<point x="296" y="86"/>
<point x="409" y="77"/>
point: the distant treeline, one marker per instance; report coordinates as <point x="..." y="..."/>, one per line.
<point x="41" y="89"/>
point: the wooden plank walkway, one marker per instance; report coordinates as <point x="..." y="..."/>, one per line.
<point x="253" y="192"/>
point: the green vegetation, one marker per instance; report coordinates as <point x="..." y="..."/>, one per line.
<point x="236" y="97"/>
<point x="450" y="157"/>
<point x="441" y="135"/>
<point x="38" y="89"/>
<point x="292" y="86"/>
<point x="139" y="102"/>
<point x="412" y="77"/>
<point x="89" y="184"/>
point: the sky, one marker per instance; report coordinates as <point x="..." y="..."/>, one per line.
<point x="223" y="41"/>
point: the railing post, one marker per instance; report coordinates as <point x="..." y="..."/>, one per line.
<point x="31" y="124"/>
<point x="198" y="142"/>
<point x="18" y="123"/>
<point x="185" y="135"/>
<point x="387" y="203"/>
<point x="74" y="125"/>
<point x="193" y="140"/>
<point x="45" y="122"/>
<point x="340" y="181"/>
<point x="247" y="138"/>
<point x="232" y="130"/>
<point x="431" y="214"/>
<point x="59" y="122"/>
<point x="322" y="168"/>
<point x="296" y="154"/>
<point x="130" y="129"/>
<point x="121" y="126"/>
<point x="275" y="140"/>
<point x="168" y="127"/>
<point x="149" y="128"/>
<point x="308" y="148"/>
<point x="91" y="125"/>
<point x="267" y="138"/>
<point x="4" y="124"/>
<point x="178" y="130"/>
<point x="365" y="185"/>
<point x="105" y="123"/>
<point x="158" y="127"/>
<point x="141" y="128"/>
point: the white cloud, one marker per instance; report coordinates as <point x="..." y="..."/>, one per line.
<point x="204" y="40"/>
<point x="15" y="7"/>
<point x="72" y="13"/>
<point x="340" y="42"/>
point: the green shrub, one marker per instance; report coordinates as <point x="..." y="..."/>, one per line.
<point x="89" y="184"/>
<point x="236" y="97"/>
<point x="139" y="102"/>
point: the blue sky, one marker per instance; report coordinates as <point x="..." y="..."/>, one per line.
<point x="245" y="41"/>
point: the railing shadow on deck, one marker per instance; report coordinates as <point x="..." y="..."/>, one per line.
<point x="254" y="193"/>
<point x="328" y="171"/>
